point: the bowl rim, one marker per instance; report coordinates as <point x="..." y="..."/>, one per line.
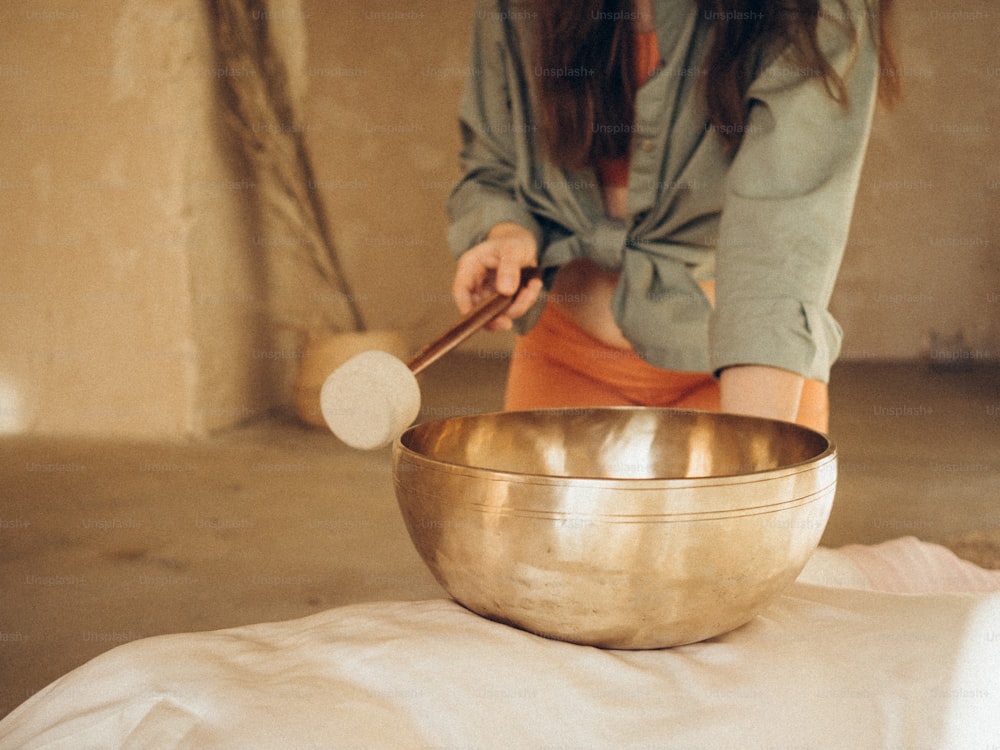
<point x="826" y="456"/>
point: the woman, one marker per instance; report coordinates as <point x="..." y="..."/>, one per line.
<point x="684" y="173"/>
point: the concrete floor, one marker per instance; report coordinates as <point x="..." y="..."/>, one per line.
<point x="105" y="542"/>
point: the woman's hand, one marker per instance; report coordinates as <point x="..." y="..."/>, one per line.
<point x="495" y="265"/>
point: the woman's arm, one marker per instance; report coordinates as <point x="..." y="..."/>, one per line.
<point x="787" y="208"/>
<point x="492" y="234"/>
<point x="492" y="135"/>
<point x="761" y="391"/>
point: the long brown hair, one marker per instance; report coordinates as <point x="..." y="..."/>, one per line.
<point x="583" y="67"/>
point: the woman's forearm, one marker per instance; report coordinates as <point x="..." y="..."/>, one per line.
<point x="761" y="391"/>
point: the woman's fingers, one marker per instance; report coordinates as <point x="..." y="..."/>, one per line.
<point x="525" y="299"/>
<point x="471" y="281"/>
<point x="521" y="304"/>
<point x="508" y="274"/>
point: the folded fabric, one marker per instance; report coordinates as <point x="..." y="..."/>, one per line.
<point x="833" y="663"/>
<point x="909" y="566"/>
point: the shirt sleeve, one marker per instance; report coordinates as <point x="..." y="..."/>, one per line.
<point x="486" y="196"/>
<point x="787" y="208"/>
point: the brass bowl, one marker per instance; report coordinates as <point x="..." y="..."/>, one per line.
<point x="628" y="528"/>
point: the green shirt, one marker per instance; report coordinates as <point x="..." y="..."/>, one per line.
<point x="769" y="222"/>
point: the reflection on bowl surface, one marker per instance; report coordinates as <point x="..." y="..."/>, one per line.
<point x="615" y="527"/>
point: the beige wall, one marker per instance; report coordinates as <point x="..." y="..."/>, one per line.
<point x="128" y="300"/>
<point x="131" y="295"/>
<point x="95" y="278"/>
<point x="924" y="258"/>
<point x="383" y="89"/>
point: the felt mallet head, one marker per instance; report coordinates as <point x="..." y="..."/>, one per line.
<point x="370" y="400"/>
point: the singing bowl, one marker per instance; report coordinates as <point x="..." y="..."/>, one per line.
<point x="629" y="528"/>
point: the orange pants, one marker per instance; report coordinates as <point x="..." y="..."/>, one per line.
<point x="558" y="365"/>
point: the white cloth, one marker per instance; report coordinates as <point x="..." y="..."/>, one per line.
<point x="826" y="666"/>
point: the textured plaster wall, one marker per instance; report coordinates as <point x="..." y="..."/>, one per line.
<point x="96" y="327"/>
<point x="128" y="298"/>
<point x="921" y="277"/>
<point x="384" y="81"/>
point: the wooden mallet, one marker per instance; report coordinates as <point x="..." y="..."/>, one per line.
<point x="373" y="397"/>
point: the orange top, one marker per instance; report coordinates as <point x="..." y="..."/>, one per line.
<point x="614" y="172"/>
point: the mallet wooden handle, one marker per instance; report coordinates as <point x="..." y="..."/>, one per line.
<point x="471" y="322"/>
